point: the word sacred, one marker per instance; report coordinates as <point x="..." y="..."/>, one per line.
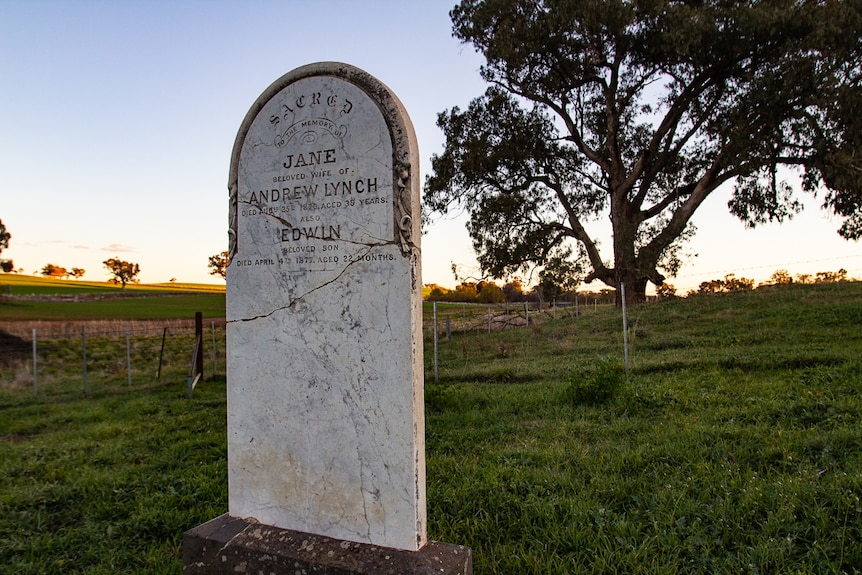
<point x="314" y="99"/>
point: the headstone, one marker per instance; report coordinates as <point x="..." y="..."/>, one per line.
<point x="324" y="318"/>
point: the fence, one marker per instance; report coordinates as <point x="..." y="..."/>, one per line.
<point x="450" y="318"/>
<point x="82" y="357"/>
<point x="50" y="356"/>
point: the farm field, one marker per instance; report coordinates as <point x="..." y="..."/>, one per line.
<point x="48" y="299"/>
<point x="733" y="445"/>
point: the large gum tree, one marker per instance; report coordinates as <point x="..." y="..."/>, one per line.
<point x="638" y="110"/>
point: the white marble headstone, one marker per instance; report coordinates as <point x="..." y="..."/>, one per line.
<point x="325" y="372"/>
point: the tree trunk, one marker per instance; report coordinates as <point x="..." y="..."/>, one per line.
<point x="635" y="290"/>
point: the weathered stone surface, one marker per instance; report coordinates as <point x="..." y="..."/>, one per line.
<point x="325" y="371"/>
<point x="227" y="546"/>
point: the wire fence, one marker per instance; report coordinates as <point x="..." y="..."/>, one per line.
<point x="52" y="357"/>
<point x="49" y="357"/>
<point x="452" y="318"/>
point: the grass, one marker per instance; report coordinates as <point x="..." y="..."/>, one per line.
<point x="132" y="308"/>
<point x="105" y="484"/>
<point x="733" y="445"/>
<point x="18" y="284"/>
<point x="50" y="299"/>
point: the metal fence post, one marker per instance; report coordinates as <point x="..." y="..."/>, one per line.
<point x="84" y="355"/>
<point x="436" y="369"/>
<point x="128" y="356"/>
<point x="625" y="326"/>
<point x="215" y="364"/>
<point x="35" y="369"/>
<point x="199" y="334"/>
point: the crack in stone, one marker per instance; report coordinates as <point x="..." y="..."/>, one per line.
<point x="297" y="299"/>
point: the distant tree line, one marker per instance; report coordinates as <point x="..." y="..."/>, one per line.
<point x="730" y="283"/>
<point x="515" y="291"/>
<point x="783" y="277"/>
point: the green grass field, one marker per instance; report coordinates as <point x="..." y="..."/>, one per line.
<point x="17" y="284"/>
<point x="733" y="445"/>
<point x="49" y="299"/>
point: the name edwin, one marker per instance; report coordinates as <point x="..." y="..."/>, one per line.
<point x="322" y="232"/>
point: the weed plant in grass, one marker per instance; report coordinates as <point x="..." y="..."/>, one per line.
<point x="733" y="445"/>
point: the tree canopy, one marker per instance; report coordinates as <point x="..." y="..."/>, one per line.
<point x="5" y="236"/>
<point x="122" y="272"/>
<point x="53" y="271"/>
<point x="638" y="110"/>
<point x="218" y="264"/>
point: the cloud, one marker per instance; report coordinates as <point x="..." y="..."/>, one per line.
<point x="40" y="244"/>
<point x="80" y="247"/>
<point x="118" y="248"/>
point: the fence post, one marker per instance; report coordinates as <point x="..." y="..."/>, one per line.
<point x="436" y="370"/>
<point x="489" y="318"/>
<point x="199" y="335"/>
<point x="215" y="365"/>
<point x="625" y="326"/>
<point x="162" y="353"/>
<point x="35" y="368"/>
<point x="84" y="354"/>
<point x="193" y="379"/>
<point x="128" y="356"/>
<point x="577" y="312"/>
<point x="527" y="311"/>
<point x="448" y="327"/>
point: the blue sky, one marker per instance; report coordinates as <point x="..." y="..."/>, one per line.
<point x="117" y="120"/>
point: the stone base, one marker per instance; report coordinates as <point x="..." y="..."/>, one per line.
<point x="227" y="545"/>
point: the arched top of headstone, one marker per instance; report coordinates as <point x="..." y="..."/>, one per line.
<point x="405" y="153"/>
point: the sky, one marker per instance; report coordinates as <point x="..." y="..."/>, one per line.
<point x="118" y="117"/>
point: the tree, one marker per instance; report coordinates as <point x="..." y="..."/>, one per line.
<point x="5" y="236"/>
<point x="729" y="284"/>
<point x="78" y="273"/>
<point x="665" y="291"/>
<point x="831" y="277"/>
<point x="781" y="277"/>
<point x="734" y="284"/>
<point x="50" y="270"/>
<point x="218" y="264"/>
<point x="491" y="293"/>
<point x="638" y="111"/>
<point x="560" y="275"/>
<point x="514" y="289"/>
<point x="6" y="265"/>
<point x="122" y="272"/>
